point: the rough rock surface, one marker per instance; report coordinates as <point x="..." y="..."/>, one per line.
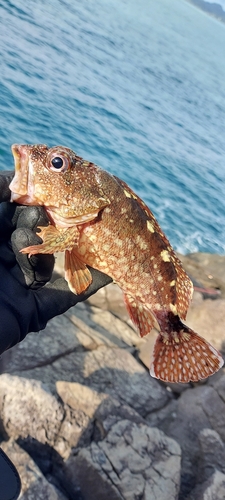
<point x="212" y="489"/>
<point x="28" y="409"/>
<point x="34" y="484"/>
<point x="82" y="419"/>
<point x="207" y="269"/>
<point x="133" y="461"/>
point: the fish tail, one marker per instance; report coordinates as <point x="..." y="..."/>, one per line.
<point x="181" y="355"/>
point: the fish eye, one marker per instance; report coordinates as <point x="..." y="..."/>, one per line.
<point x="59" y="163"/>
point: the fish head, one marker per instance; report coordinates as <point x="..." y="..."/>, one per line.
<point x="67" y="186"/>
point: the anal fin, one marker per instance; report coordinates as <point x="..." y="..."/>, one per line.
<point x="77" y="274"/>
<point x="141" y="316"/>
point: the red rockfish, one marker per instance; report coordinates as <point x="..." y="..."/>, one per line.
<point x="100" y="222"/>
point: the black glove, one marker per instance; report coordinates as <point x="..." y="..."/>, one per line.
<point x="10" y="484"/>
<point x="27" y="303"/>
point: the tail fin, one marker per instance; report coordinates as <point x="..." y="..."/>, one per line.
<point x="184" y="356"/>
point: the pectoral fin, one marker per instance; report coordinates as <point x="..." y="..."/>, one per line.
<point x="54" y="240"/>
<point x="77" y="274"/>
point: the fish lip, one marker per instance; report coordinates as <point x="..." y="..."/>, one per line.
<point x="19" y="183"/>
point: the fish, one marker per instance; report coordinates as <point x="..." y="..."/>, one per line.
<point x="99" y="222"/>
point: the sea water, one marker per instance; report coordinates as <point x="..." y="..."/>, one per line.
<point x="136" y="87"/>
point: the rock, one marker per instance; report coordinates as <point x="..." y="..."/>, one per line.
<point x="76" y="430"/>
<point x="101" y="413"/>
<point x="82" y="327"/>
<point x="197" y="408"/>
<point x="80" y="405"/>
<point x="212" y="454"/>
<point x="110" y="412"/>
<point x="207" y="317"/>
<point x="27" y="408"/>
<point x="133" y="461"/>
<point x="164" y="417"/>
<point x="111" y="371"/>
<point x="110" y="298"/>
<point x="30" y="414"/>
<point x="79" y="396"/>
<point x="34" y="484"/>
<point x="104" y="328"/>
<point x="59" y="338"/>
<point x="208" y="269"/>
<point x="212" y="489"/>
<point x="145" y="348"/>
<point x="81" y="401"/>
<point x="100" y="409"/>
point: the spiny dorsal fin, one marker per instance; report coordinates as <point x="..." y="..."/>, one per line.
<point x="183" y="288"/>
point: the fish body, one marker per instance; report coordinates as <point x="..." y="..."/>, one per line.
<point x="100" y="222"/>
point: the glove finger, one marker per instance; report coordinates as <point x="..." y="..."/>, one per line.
<point x="5" y="179"/>
<point x="37" y="269"/>
<point x="13" y="215"/>
<point x="30" y="217"/>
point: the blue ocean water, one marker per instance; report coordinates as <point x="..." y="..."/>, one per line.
<point x="136" y="87"/>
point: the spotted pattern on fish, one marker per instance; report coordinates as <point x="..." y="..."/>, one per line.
<point x="100" y="222"/>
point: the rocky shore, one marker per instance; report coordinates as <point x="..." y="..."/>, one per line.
<point x="82" y="419"/>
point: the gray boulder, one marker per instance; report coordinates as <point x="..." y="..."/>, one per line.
<point x="28" y="409"/>
<point x="202" y="407"/>
<point x="133" y="461"/>
<point x="112" y="371"/>
<point x="212" y="489"/>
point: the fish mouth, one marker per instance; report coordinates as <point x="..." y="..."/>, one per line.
<point x="20" y="190"/>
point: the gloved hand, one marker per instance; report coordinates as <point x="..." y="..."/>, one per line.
<point x="27" y="300"/>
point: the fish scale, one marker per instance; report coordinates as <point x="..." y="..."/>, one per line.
<point x="100" y="222"/>
<point x="152" y="266"/>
